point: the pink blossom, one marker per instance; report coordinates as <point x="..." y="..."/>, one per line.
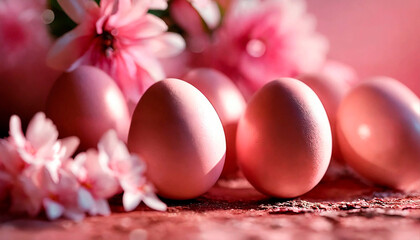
<point x="264" y="39"/>
<point x="38" y="173"/>
<point x="130" y="171"/>
<point x="137" y="189"/>
<point x="118" y="36"/>
<point x="25" y="80"/>
<point x="5" y="181"/>
<point x="98" y="183"/>
<point x="41" y="146"/>
<point x="59" y="196"/>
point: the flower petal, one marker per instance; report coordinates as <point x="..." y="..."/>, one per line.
<point x="148" y="63"/>
<point x="131" y="200"/>
<point x="165" y="45"/>
<point x="147" y="26"/>
<point x="102" y="207"/>
<point x="69" y="146"/>
<point x="76" y="9"/>
<point x="70" y="47"/>
<point x="53" y="210"/>
<point x="41" y="131"/>
<point x="152" y="201"/>
<point x="16" y="131"/>
<point x="128" y="12"/>
<point x="85" y="199"/>
<point x="159" y="4"/>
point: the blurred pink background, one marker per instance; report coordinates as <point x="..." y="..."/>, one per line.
<point x="376" y="37"/>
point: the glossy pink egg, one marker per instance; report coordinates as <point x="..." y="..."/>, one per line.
<point x="379" y="133"/>
<point x="331" y="85"/>
<point x="86" y="103"/>
<point x="229" y="104"/>
<point x="178" y="133"/>
<point x="284" y="139"/>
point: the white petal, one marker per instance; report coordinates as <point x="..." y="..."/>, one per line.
<point x="16" y="131"/>
<point x="152" y="201"/>
<point x="102" y="207"/>
<point x="85" y="199"/>
<point x="131" y="200"/>
<point x="69" y="146"/>
<point x="53" y="210"/>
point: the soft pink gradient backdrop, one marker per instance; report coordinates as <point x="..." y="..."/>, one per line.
<point x="375" y="37"/>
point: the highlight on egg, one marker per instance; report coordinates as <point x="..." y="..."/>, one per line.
<point x="229" y="105"/>
<point x="378" y="126"/>
<point x="178" y="133"/>
<point x="87" y="103"/>
<point x="284" y="139"/>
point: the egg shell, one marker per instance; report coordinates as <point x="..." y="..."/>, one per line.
<point x="284" y="139"/>
<point x="229" y="104"/>
<point x="86" y="103"/>
<point x="331" y="85"/>
<point x="178" y="133"/>
<point x="378" y="126"/>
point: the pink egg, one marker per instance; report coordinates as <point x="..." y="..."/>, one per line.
<point x="331" y="84"/>
<point x="229" y="104"/>
<point x="177" y="132"/>
<point x="86" y="103"/>
<point x="284" y="139"/>
<point x="378" y="126"/>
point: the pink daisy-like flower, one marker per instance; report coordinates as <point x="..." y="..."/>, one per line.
<point x="121" y="38"/>
<point x="261" y="40"/>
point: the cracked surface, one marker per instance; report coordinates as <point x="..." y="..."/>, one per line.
<point x="343" y="208"/>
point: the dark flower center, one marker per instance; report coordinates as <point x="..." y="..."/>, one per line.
<point x="107" y="43"/>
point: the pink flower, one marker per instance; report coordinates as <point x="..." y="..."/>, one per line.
<point x="25" y="80"/>
<point x="5" y="182"/>
<point x="265" y="39"/>
<point x="118" y="36"/>
<point x="40" y="146"/>
<point x="130" y="171"/>
<point x="98" y="183"/>
<point x="137" y="189"/>
<point x="59" y="196"/>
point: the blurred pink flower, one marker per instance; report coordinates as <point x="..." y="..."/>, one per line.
<point x="41" y="146"/>
<point x="137" y="189"/>
<point x="59" y="196"/>
<point x="118" y="36"/>
<point x="5" y="182"/>
<point x="97" y="182"/>
<point x="261" y="40"/>
<point x="38" y="173"/>
<point x="25" y="80"/>
<point x="130" y="171"/>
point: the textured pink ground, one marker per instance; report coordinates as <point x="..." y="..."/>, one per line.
<point x="341" y="208"/>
